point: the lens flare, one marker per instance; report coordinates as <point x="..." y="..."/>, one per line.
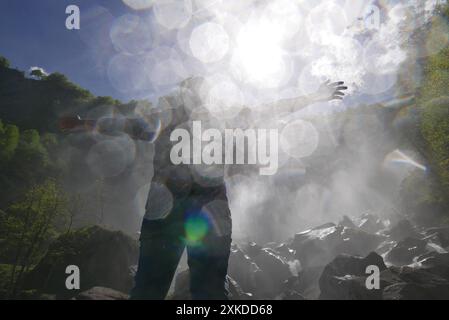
<point x="299" y="139"/>
<point x="173" y="14"/>
<point x="139" y="4"/>
<point x="209" y="42"/>
<point x="196" y="228"/>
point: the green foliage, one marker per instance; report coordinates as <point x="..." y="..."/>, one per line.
<point x="26" y="159"/>
<point x="4" y="63"/>
<point x="37" y="73"/>
<point x="434" y="114"/>
<point x="32" y="104"/>
<point x="9" y="140"/>
<point x="435" y="130"/>
<point x="30" y="224"/>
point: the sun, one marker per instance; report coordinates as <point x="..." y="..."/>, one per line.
<point x="258" y="57"/>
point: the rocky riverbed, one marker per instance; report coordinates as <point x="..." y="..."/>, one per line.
<point x="326" y="262"/>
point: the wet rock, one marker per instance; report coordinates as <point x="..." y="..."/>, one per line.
<point x="405" y="251"/>
<point x="252" y="249"/>
<point x="436" y="263"/>
<point x="345" y="278"/>
<point x="401" y="230"/>
<point x="101" y="293"/>
<point x="182" y="288"/>
<point x="417" y="284"/>
<point x="236" y="292"/>
<point x="275" y="270"/>
<point x="290" y="290"/>
<point x="243" y="270"/>
<point x="346" y="222"/>
<point x="314" y="247"/>
<point x="371" y="224"/>
<point x="357" y="242"/>
<point x="442" y="234"/>
<point x="389" y="277"/>
<point x="104" y="259"/>
<point x="308" y="284"/>
<point x="285" y="251"/>
<point x="319" y="246"/>
<point x="291" y="295"/>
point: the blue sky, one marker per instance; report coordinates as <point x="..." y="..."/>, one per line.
<point x="33" y="33"/>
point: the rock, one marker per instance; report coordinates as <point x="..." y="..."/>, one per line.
<point x="275" y="271"/>
<point x="291" y="295"/>
<point x="236" y="292"/>
<point x="252" y="249"/>
<point x="314" y="247"/>
<point x="417" y="284"/>
<point x="389" y="277"/>
<point x="101" y="293"/>
<point x="285" y="251"/>
<point x="243" y="270"/>
<point x="103" y="257"/>
<point x="262" y="274"/>
<point x="344" y="278"/>
<point x="371" y="224"/>
<point x="436" y="263"/>
<point x="405" y="251"/>
<point x="182" y="288"/>
<point x="357" y="242"/>
<point x="442" y="234"/>
<point x="346" y="222"/>
<point x="317" y="247"/>
<point x="403" y="229"/>
<point x="308" y="284"/>
<point x="290" y="290"/>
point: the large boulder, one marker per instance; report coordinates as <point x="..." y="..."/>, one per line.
<point x="442" y="234"/>
<point x="259" y="271"/>
<point x="319" y="246"/>
<point x="345" y="278"/>
<point x="275" y="271"/>
<point x="103" y="257"/>
<point x="243" y="270"/>
<point x="436" y="263"/>
<point x="371" y="223"/>
<point x="402" y="230"/>
<point x="101" y="293"/>
<point x="417" y="284"/>
<point x="182" y="288"/>
<point x="405" y="251"/>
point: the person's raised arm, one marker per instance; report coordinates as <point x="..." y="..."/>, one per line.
<point x="326" y="92"/>
<point x="136" y="128"/>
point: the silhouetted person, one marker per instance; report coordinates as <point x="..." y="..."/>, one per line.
<point x="184" y="208"/>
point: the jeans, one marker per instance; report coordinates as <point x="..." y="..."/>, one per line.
<point x="203" y="226"/>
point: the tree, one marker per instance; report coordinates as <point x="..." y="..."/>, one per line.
<point x="9" y="140"/>
<point x="38" y="73"/>
<point x="30" y="224"/>
<point x="4" y="63"/>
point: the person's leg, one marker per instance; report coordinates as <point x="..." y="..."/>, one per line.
<point x="161" y="248"/>
<point x="208" y="235"/>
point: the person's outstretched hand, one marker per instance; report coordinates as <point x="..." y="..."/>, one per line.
<point x="331" y="91"/>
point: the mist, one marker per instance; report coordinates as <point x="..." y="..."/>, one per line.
<point x="345" y="161"/>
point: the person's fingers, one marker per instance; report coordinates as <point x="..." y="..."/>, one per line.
<point x="341" y="88"/>
<point x="336" y="84"/>
<point x="339" y="93"/>
<point x="335" y="97"/>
